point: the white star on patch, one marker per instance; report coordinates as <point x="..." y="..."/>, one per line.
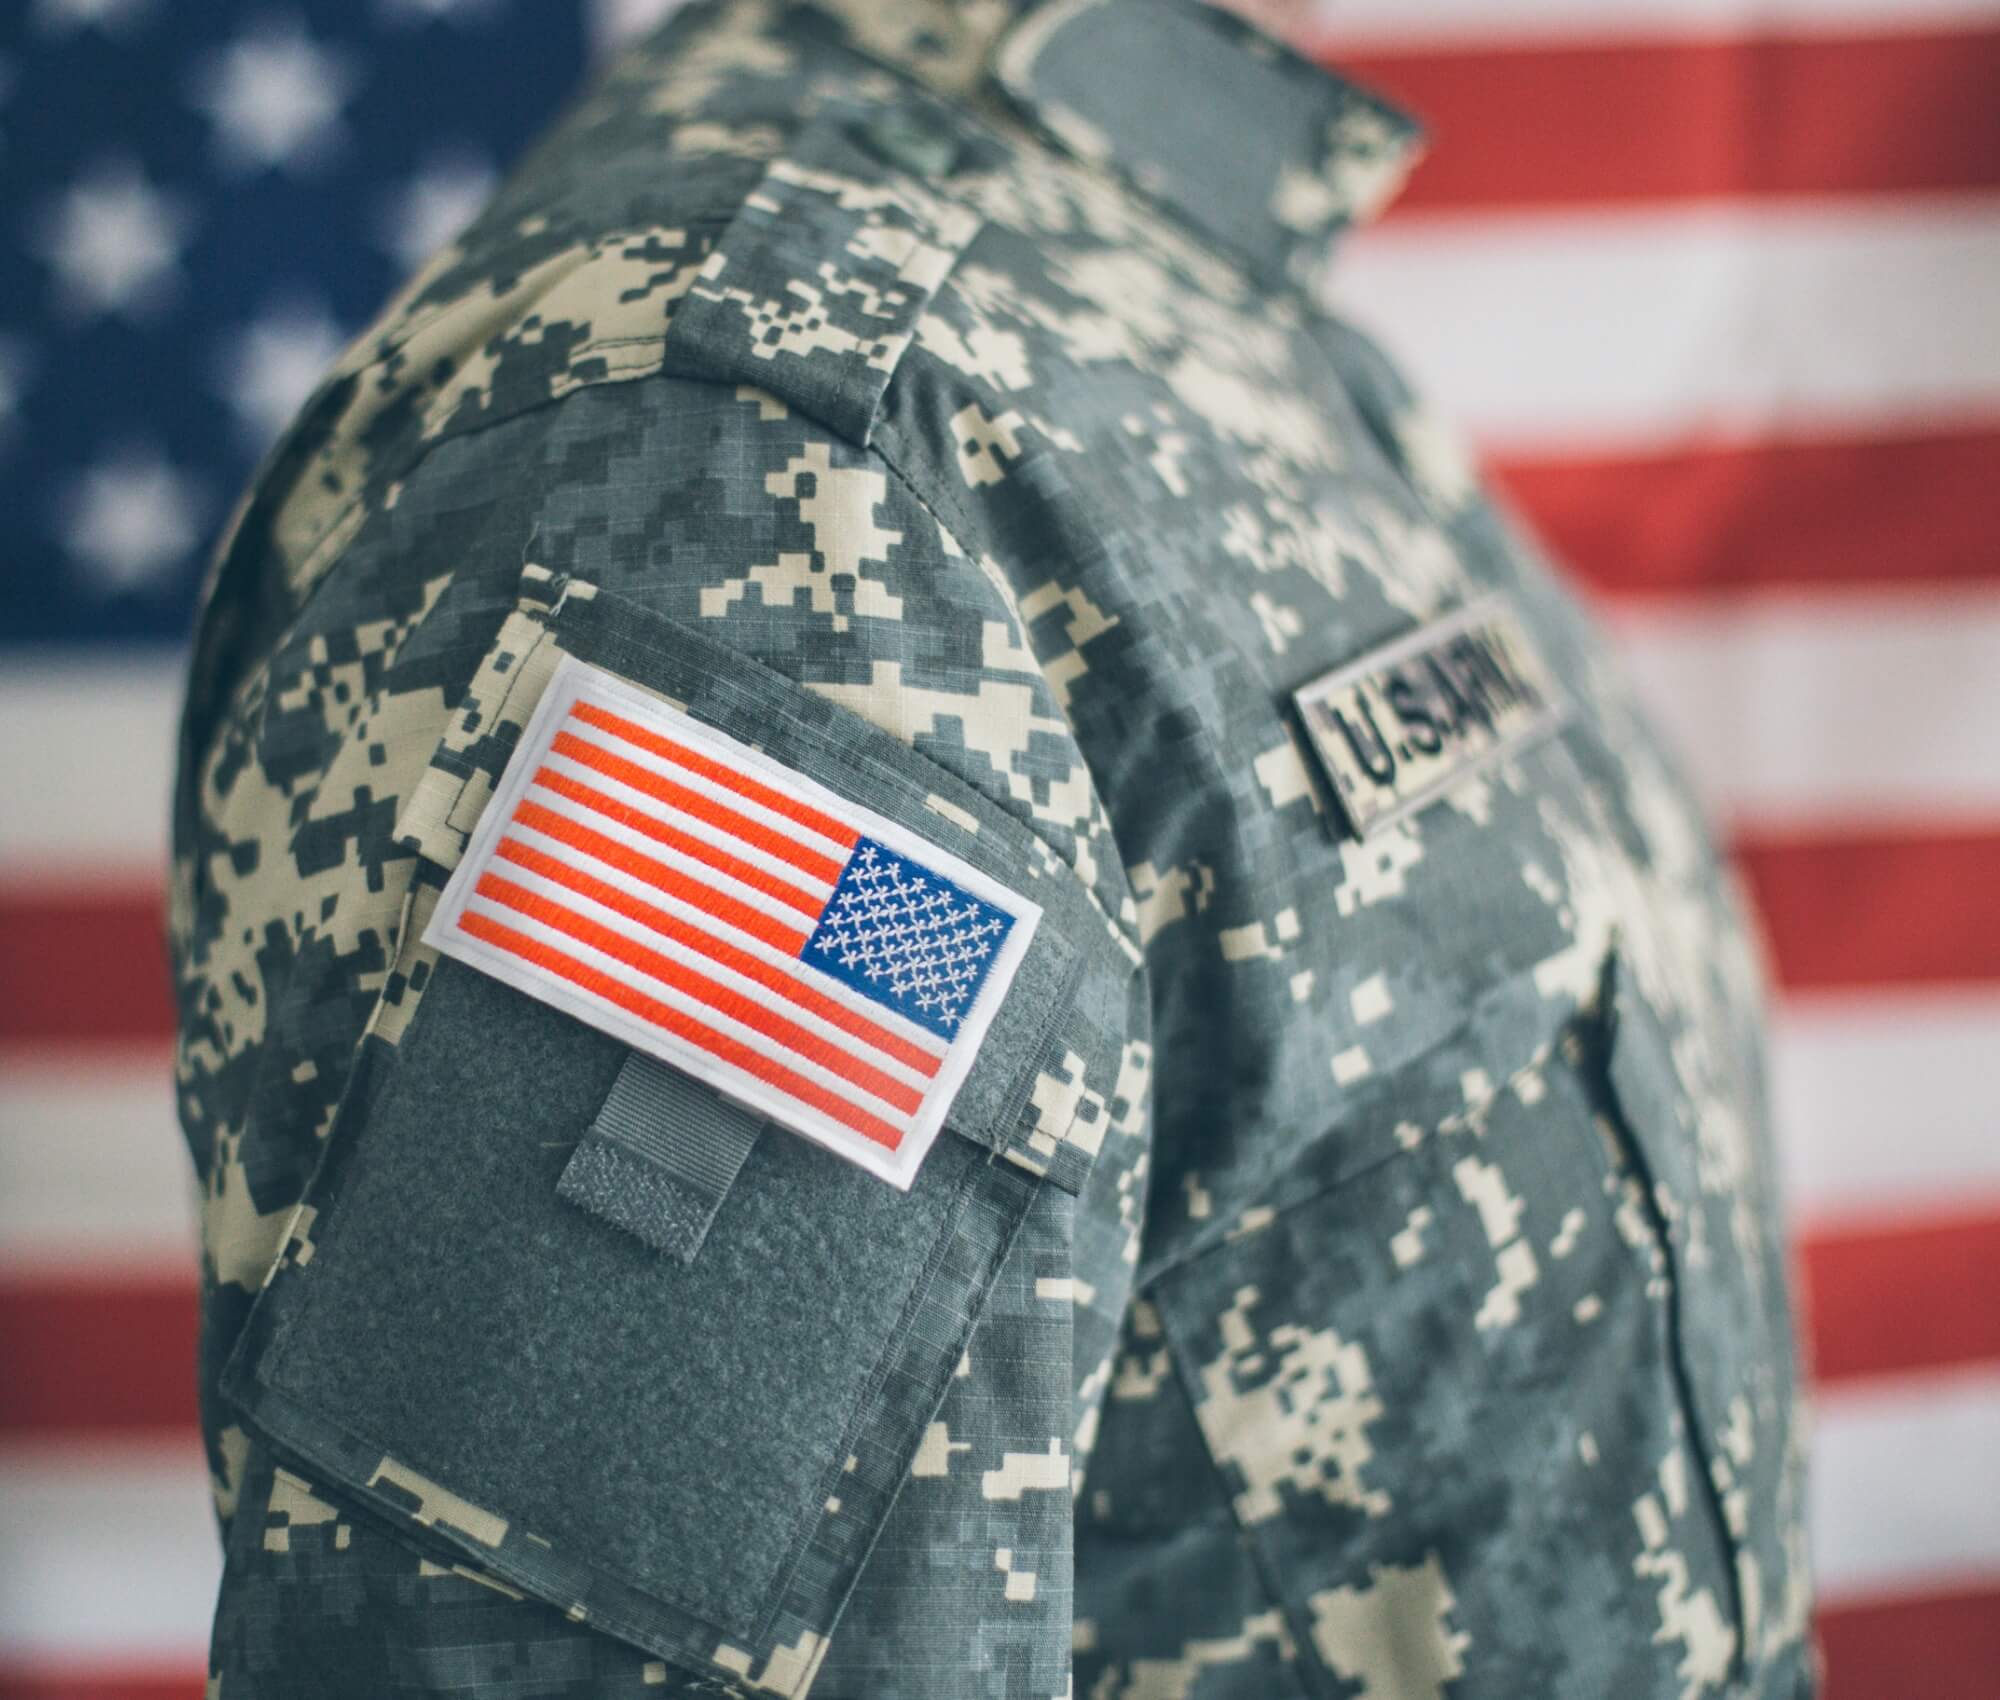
<point x="114" y="242"/>
<point x="128" y="521"/>
<point x="432" y="207"/>
<point x="267" y="367"/>
<point x="55" y="17"/>
<point x="275" y="97"/>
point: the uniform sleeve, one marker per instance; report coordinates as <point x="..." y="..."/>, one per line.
<point x="470" y="1437"/>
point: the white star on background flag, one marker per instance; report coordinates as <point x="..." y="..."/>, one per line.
<point x="114" y="242"/>
<point x="208" y="200"/>
<point x="275" y="97"/>
<point x="267" y="367"/>
<point x="426" y="211"/>
<point x="129" y="519"/>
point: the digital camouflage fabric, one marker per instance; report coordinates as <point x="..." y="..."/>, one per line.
<point x="1360" y="1279"/>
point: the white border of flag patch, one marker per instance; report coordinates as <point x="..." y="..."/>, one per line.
<point x="710" y="906"/>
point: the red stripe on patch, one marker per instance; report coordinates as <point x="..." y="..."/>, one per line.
<point x="812" y="819"/>
<point x="696" y="1033"/>
<point x="718" y="950"/>
<point x="726" y="909"/>
<point x="697" y="804"/>
<point x="724" y="1000"/>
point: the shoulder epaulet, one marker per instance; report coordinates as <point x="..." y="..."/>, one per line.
<point x="815" y="288"/>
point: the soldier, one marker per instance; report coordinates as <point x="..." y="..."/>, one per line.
<point x="916" y="964"/>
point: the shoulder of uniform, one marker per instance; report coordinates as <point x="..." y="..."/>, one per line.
<point x="795" y="257"/>
<point x="815" y="288"/>
<point x="799" y="263"/>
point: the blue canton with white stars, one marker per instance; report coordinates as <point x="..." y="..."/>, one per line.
<point x="907" y="937"/>
<point x="203" y="205"/>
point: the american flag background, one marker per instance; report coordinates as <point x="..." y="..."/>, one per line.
<point x="1715" y="284"/>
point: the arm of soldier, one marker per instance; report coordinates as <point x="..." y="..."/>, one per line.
<point x="378" y="1412"/>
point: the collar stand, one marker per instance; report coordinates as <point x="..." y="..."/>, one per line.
<point x="1231" y="132"/>
<point x="1261" y="150"/>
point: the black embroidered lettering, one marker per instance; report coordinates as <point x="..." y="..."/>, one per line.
<point x="1406" y="697"/>
<point x="1396" y="729"/>
<point x="1376" y="760"/>
<point x="1453" y="699"/>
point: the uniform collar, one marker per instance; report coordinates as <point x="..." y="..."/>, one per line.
<point x="1260" y="150"/>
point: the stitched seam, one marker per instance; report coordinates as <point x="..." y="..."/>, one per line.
<point x="852" y="1429"/>
<point x="1301" y="1630"/>
<point x="236" y="717"/>
<point x="1450" y="1123"/>
<point x="405" y="467"/>
<point x="1007" y="1122"/>
<point x="931" y="507"/>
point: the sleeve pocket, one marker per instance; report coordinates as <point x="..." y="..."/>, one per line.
<point x="694" y="1456"/>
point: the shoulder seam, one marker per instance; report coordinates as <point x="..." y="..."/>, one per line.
<point x="1127" y="935"/>
<point x="408" y="467"/>
<point x="449" y="434"/>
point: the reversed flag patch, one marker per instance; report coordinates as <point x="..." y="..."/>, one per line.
<point x="688" y="894"/>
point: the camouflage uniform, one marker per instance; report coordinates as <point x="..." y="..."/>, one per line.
<point x="1372" y="1285"/>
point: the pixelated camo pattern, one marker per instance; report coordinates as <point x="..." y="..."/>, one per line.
<point x="1403" y="1316"/>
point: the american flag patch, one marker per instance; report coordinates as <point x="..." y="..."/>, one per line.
<point x="704" y="903"/>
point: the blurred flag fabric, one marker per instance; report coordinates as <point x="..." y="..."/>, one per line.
<point x="1714" y="283"/>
